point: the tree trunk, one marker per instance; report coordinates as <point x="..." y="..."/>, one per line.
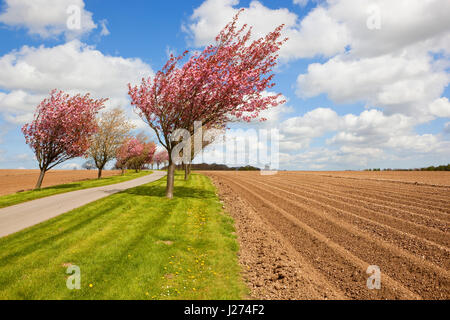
<point x="189" y="169"/>
<point x="39" y="182"/>
<point x="186" y="173"/>
<point x="123" y="171"/>
<point x="99" y="176"/>
<point x="170" y="180"/>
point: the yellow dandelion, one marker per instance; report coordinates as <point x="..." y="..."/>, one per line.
<point x="90" y="285"/>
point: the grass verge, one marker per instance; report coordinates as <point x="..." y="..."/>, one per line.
<point x="19" y="197"/>
<point x="132" y="245"/>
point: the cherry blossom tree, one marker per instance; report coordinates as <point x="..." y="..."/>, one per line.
<point x="135" y="153"/>
<point x="222" y="83"/>
<point x="146" y="157"/>
<point x="161" y="158"/>
<point x="61" y="129"/>
<point x="130" y="149"/>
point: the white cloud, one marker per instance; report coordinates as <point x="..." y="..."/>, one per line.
<point x="19" y="119"/>
<point x="391" y="67"/>
<point x="371" y="128"/>
<point x="419" y="143"/>
<point x="24" y="157"/>
<point x="402" y="23"/>
<point x="298" y="132"/>
<point x="333" y="25"/>
<point x="71" y="166"/>
<point x="273" y="115"/>
<point x="440" y="108"/>
<point x="306" y="40"/>
<point x="301" y="3"/>
<point x="313" y="124"/>
<point x="18" y="101"/>
<point x="358" y="139"/>
<point x="104" y="31"/>
<point x="48" y="18"/>
<point x="27" y="76"/>
<point x="399" y="83"/>
<point x="447" y="127"/>
<point x="343" y="158"/>
<point x="317" y="166"/>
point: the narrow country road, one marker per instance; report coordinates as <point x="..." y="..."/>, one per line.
<point x="27" y="214"/>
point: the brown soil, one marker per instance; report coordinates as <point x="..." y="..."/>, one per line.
<point x="12" y="181"/>
<point x="422" y="177"/>
<point x="310" y="235"/>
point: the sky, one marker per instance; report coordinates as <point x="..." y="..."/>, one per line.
<point x="365" y="82"/>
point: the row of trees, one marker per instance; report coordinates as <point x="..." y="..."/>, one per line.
<point x="67" y="127"/>
<point x="431" y="168"/>
<point x="225" y="82"/>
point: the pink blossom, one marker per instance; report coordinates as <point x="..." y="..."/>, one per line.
<point x="62" y="127"/>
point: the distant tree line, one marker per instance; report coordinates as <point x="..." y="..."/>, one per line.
<point x="218" y="167"/>
<point x="431" y="168"/>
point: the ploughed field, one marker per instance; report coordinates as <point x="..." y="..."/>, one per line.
<point x="12" y="181"/>
<point x="314" y="234"/>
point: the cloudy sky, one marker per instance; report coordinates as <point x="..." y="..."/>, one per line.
<point x="366" y="82"/>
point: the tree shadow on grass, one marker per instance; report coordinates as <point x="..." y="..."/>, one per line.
<point x="57" y="187"/>
<point x="179" y="192"/>
<point x="63" y="186"/>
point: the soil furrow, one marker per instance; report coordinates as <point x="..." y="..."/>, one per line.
<point x="435" y="232"/>
<point x="415" y="198"/>
<point x="434" y="253"/>
<point x="336" y="262"/>
<point x="331" y="228"/>
<point x="377" y="201"/>
<point x="427" y="193"/>
<point x="272" y="267"/>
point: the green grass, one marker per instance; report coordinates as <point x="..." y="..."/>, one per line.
<point x="19" y="197"/>
<point x="132" y="245"/>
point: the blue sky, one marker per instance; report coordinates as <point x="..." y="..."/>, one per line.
<point x="366" y="83"/>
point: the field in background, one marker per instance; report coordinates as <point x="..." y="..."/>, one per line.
<point x="421" y="177"/>
<point x="330" y="226"/>
<point x="12" y="181"/>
